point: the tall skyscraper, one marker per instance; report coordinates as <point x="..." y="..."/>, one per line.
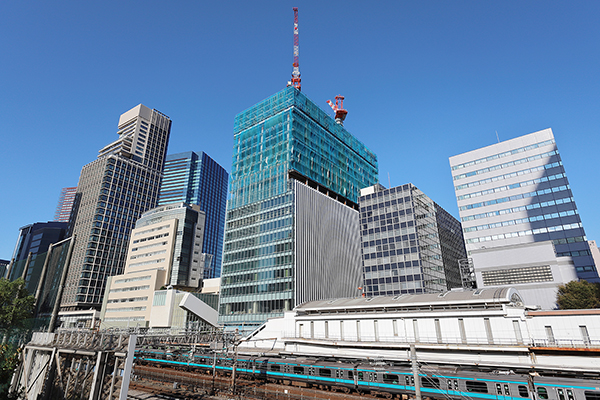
<point x="195" y="178"/>
<point x="409" y="243"/>
<point x="65" y="204"/>
<point x="519" y="217"/>
<point x="112" y="193"/>
<point x="35" y="239"/>
<point x="292" y="219"/>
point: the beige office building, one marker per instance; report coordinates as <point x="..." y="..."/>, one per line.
<point x="165" y="252"/>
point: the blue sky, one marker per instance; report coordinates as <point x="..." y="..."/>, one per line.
<point x="423" y="80"/>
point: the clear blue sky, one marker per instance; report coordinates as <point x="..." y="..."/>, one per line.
<point x="423" y="80"/>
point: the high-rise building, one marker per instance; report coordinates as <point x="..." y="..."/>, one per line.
<point x="3" y="268"/>
<point x="291" y="233"/>
<point x="165" y="250"/>
<point x="519" y="217"/>
<point x="195" y="178"/>
<point x="112" y="193"/>
<point x="65" y="204"/>
<point x="35" y="239"/>
<point x="409" y="243"/>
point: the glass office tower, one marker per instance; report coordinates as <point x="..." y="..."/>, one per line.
<point x="195" y="178"/>
<point x="279" y="142"/>
<point x="65" y="204"/>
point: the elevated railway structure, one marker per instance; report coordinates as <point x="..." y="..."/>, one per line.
<point x="76" y="364"/>
<point x="485" y="328"/>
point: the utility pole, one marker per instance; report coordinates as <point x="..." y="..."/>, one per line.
<point x="415" y="371"/>
<point x="235" y="345"/>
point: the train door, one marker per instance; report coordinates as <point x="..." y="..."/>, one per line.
<point x="502" y="390"/>
<point x="339" y="375"/>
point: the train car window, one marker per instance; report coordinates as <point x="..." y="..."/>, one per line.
<point x="561" y="394"/>
<point x="592" y="395"/>
<point x="375" y="377"/>
<point x="455" y="384"/>
<point x="477" y="386"/>
<point x="570" y="394"/>
<point x="523" y="392"/>
<point x="542" y="393"/>
<point x="350" y="374"/>
<point x="498" y="388"/>
<point x="449" y="384"/>
<point x="275" y="368"/>
<point x="430" y="382"/>
<point x="371" y="376"/>
<point x="324" y="372"/>
<point x="389" y="378"/>
<point x="361" y="376"/>
<point x="299" y="370"/>
<point x="407" y="380"/>
<point x="506" y="390"/>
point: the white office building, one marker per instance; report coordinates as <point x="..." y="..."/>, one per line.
<point x="519" y="218"/>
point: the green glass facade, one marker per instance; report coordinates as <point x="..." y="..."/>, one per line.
<point x="284" y="135"/>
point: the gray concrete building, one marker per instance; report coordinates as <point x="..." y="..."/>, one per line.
<point x="409" y="244"/>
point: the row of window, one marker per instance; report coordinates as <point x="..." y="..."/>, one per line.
<point x="149" y="254"/>
<point x="504" y="154"/>
<point x="137" y="278"/>
<point x="520" y="221"/>
<point x="258" y="276"/>
<point x="511" y="186"/>
<point x="151" y="230"/>
<point x="574" y="253"/>
<point x="528" y="232"/>
<point x="507" y="176"/>
<point x="257" y="252"/>
<point x="127" y="300"/>
<point x="150" y="238"/>
<point x="532" y="206"/>
<point x="129" y="289"/>
<point x="506" y="165"/>
<point x="269" y="215"/>
<point x="139" y="264"/>
<point x="277" y="287"/>
<point x="126" y="309"/>
<point x="149" y="246"/>
<point x="516" y="197"/>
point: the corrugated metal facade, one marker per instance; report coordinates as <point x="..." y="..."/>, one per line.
<point x="328" y="261"/>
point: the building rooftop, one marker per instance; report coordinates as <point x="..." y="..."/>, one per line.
<point x="459" y="299"/>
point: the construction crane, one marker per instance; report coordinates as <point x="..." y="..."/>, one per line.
<point x="296" y="65"/>
<point x="338" y="107"/>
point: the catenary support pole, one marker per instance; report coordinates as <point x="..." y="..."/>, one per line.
<point x="415" y="371"/>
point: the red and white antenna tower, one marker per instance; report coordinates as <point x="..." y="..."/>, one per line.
<point x="296" y="70"/>
<point x="338" y="107"/>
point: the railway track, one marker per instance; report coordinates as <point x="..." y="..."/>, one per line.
<point x="174" y="384"/>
